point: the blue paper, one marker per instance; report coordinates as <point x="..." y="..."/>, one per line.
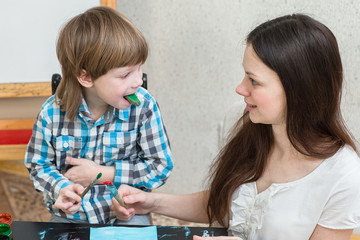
<point x="123" y="233"/>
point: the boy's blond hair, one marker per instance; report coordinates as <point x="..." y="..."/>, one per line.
<point x="95" y="41"/>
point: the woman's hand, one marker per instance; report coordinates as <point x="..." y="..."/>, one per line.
<point x="216" y="238"/>
<point x="69" y="200"/>
<point x="138" y="202"/>
<point x="189" y="207"/>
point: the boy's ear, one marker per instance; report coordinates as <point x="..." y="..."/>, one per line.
<point x="85" y="80"/>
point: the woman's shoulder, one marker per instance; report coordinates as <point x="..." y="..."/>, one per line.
<point x="345" y="163"/>
<point x="343" y="180"/>
<point x="346" y="157"/>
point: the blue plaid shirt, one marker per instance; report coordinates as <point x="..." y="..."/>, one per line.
<point x="134" y="140"/>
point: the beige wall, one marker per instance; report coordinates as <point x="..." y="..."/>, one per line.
<point x="195" y="64"/>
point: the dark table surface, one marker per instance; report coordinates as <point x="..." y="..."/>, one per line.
<point x="57" y="231"/>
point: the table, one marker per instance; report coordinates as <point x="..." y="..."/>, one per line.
<point x="71" y="231"/>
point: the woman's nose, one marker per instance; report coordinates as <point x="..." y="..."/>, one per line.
<point x="242" y="89"/>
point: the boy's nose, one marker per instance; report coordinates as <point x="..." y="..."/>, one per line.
<point x="138" y="82"/>
<point x="138" y="79"/>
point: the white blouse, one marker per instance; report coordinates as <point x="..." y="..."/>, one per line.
<point x="328" y="196"/>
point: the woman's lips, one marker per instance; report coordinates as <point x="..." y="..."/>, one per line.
<point x="250" y="107"/>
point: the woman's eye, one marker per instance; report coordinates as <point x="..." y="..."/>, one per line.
<point x="253" y="82"/>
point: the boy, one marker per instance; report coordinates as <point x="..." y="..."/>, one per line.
<point x="90" y="127"/>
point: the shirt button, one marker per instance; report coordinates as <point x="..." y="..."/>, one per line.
<point x="65" y="145"/>
<point x="90" y="155"/>
<point x="250" y="209"/>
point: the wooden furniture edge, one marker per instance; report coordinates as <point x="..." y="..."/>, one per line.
<point x="109" y="3"/>
<point x="12" y="152"/>
<point x="14" y="90"/>
<point x="8" y="124"/>
<point x="15" y="167"/>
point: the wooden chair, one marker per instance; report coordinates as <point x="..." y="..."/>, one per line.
<point x="15" y="133"/>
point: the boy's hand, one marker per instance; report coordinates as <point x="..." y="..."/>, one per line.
<point x="138" y="202"/>
<point x="83" y="171"/>
<point x="69" y="200"/>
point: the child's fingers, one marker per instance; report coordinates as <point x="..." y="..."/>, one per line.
<point x="60" y="204"/>
<point x="78" y="188"/>
<point x="73" y="209"/>
<point x="69" y="160"/>
<point x="72" y="195"/>
<point x="74" y="161"/>
<point x="63" y="203"/>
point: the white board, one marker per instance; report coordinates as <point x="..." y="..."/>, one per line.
<point x="29" y="29"/>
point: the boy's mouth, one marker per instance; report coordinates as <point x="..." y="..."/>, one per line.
<point x="133" y="99"/>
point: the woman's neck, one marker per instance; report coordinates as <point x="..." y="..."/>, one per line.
<point x="282" y="146"/>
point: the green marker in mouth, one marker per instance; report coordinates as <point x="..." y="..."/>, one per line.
<point x="133" y="99"/>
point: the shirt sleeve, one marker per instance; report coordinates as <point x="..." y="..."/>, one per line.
<point x="342" y="211"/>
<point x="39" y="158"/>
<point x="153" y="164"/>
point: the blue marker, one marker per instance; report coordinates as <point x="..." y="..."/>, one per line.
<point x="115" y="193"/>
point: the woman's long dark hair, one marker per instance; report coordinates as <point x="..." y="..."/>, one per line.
<point x="305" y="55"/>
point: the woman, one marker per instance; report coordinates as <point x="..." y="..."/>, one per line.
<point x="290" y="170"/>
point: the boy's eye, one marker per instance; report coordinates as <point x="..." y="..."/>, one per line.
<point x="125" y="75"/>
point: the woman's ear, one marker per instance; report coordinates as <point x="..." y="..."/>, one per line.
<point x="85" y="80"/>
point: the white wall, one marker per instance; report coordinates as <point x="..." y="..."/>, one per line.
<point x="195" y="64"/>
<point x="28" y="33"/>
